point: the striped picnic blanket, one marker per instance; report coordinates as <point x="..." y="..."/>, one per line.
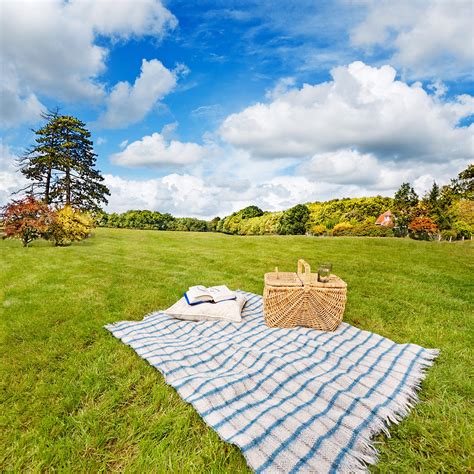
<point x="293" y="400"/>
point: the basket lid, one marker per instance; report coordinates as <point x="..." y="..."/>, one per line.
<point x="334" y="281"/>
<point x="282" y="279"/>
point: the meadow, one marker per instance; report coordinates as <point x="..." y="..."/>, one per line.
<point x="74" y="398"/>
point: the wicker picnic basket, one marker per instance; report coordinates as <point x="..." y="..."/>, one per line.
<point x="299" y="299"/>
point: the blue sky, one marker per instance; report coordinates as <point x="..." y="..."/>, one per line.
<point x="200" y="108"/>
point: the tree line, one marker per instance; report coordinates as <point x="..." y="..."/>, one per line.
<point x="65" y="195"/>
<point x="443" y="212"/>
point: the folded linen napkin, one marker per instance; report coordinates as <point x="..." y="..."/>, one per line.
<point x="229" y="310"/>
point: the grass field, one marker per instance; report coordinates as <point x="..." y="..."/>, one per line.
<point x="74" y="398"/>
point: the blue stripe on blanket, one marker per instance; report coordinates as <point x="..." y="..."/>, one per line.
<point x="294" y="400"/>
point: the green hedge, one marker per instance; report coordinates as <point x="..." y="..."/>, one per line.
<point x="153" y="220"/>
<point x="363" y="230"/>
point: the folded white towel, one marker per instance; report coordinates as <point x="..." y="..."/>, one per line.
<point x="229" y="310"/>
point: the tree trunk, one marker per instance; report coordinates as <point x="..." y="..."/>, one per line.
<point x="68" y="185"/>
<point x="47" y="186"/>
<point x="68" y="174"/>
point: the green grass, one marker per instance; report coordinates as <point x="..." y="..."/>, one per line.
<point x="75" y="398"/>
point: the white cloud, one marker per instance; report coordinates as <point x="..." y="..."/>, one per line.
<point x="373" y="176"/>
<point x="186" y="195"/>
<point x="344" y="166"/>
<point x="364" y="108"/>
<point x="16" y="106"/>
<point x="124" y="19"/>
<point x="50" y="47"/>
<point x="213" y="113"/>
<point x="155" y="151"/>
<point x="128" y="104"/>
<point x="169" y="130"/>
<point x="181" y="195"/>
<point x="11" y="180"/>
<point x="430" y="38"/>
<point x="282" y="86"/>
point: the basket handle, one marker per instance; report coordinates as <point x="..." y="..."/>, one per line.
<point x="307" y="269"/>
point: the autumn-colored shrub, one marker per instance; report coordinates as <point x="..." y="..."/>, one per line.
<point x="27" y="220"/>
<point x="69" y="225"/>
<point x="422" y="228"/>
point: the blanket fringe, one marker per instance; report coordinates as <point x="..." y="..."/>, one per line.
<point x="112" y="326"/>
<point x="364" y="453"/>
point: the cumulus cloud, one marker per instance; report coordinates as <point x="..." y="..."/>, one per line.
<point x="365" y="172"/>
<point x="123" y="19"/>
<point x="430" y="39"/>
<point x="343" y="167"/>
<point x="10" y="179"/>
<point x="187" y="195"/>
<point x="180" y="195"/>
<point x="128" y="103"/>
<point x="156" y="151"/>
<point x="17" y="108"/>
<point x="51" y="48"/>
<point x="282" y="86"/>
<point x="16" y="105"/>
<point x="364" y="108"/>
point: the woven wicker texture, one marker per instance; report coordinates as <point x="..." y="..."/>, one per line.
<point x="299" y="299"/>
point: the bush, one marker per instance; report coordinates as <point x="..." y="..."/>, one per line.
<point x="448" y="234"/>
<point x="361" y="230"/>
<point x="27" y="220"/>
<point x="463" y="229"/>
<point x="69" y="225"/>
<point x="293" y="221"/>
<point x="319" y="229"/>
<point x="343" y="228"/>
<point x="371" y="230"/>
<point x="462" y="213"/>
<point x="422" y="228"/>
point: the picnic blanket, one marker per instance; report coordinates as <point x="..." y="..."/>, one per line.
<point x="293" y="400"/>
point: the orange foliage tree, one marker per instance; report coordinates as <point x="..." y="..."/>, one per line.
<point x="422" y="228"/>
<point x="27" y="220"/>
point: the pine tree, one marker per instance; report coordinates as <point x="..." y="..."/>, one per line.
<point x="433" y="195"/>
<point x="435" y="206"/>
<point x="405" y="196"/>
<point x="80" y="185"/>
<point x="405" y="202"/>
<point x="62" y="165"/>
<point x="37" y="164"/>
<point x="463" y="185"/>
